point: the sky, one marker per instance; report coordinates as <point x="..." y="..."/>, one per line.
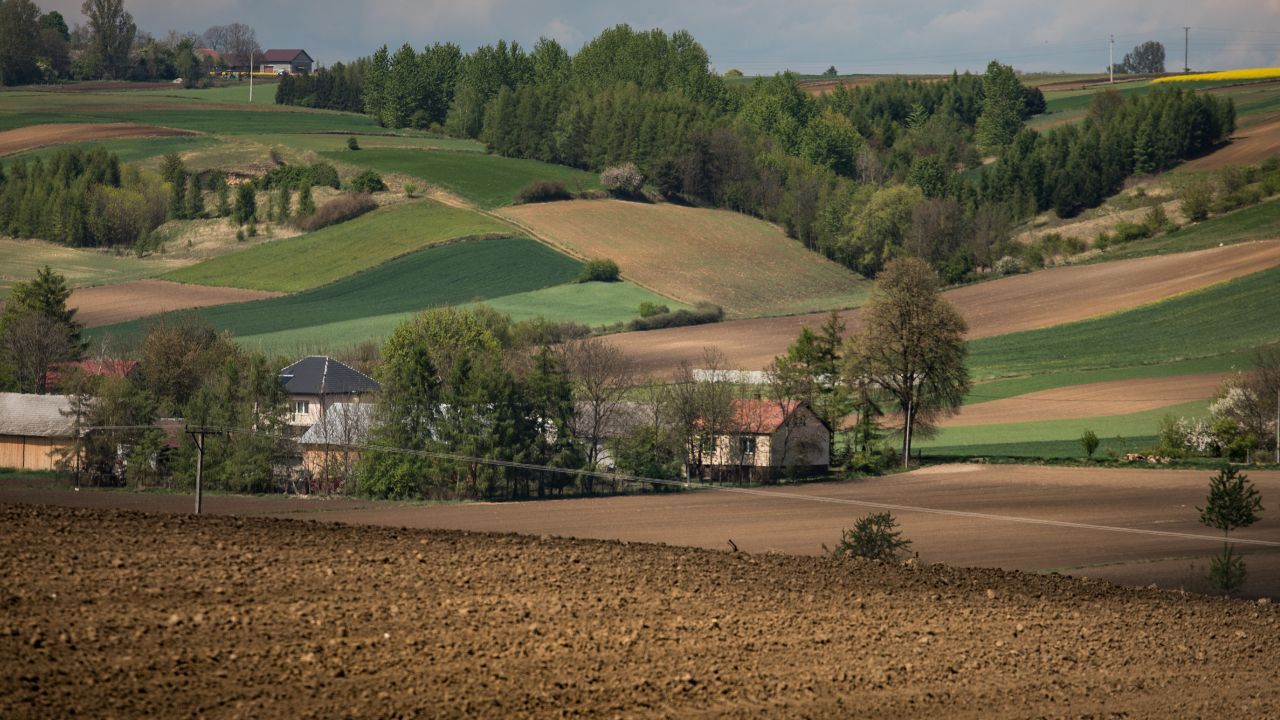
<point x="764" y="36"/>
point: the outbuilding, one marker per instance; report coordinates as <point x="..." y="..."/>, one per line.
<point x="285" y="62"/>
<point x="35" y="430"/>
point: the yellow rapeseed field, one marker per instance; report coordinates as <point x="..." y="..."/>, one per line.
<point x="1242" y="74"/>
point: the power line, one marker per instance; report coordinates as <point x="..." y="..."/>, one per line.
<point x="773" y="494"/>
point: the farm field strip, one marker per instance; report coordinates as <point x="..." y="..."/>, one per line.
<point x="38" y="136"/>
<point x="337" y="142"/>
<point x="1021" y="303"/>
<point x="107" y="304"/>
<point x="130" y="150"/>
<point x="1138" y="424"/>
<point x="580" y="627"/>
<point x="448" y="274"/>
<point x="745" y="265"/>
<point x="20" y="259"/>
<point x="489" y="181"/>
<point x="334" y="252"/>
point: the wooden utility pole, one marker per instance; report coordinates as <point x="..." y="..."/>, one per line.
<point x="1111" y="62"/>
<point x="197" y="436"/>
<point x="1186" y="45"/>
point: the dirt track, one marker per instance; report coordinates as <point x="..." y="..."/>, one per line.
<point x="118" y="614"/>
<point x="1118" y="397"/>
<point x="1249" y="146"/>
<point x="34" y="136"/>
<point x="108" y="304"/>
<point x="1022" y="302"/>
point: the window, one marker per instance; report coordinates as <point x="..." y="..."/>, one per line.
<point x="746" y="446"/>
<point x="301" y="407"/>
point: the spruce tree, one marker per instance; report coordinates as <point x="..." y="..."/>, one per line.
<point x="283" y="203"/>
<point x="195" y="198"/>
<point x="306" y="205"/>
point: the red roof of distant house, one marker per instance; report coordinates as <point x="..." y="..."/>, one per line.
<point x="93" y="368"/>
<point x="282" y="56"/>
<point x="762" y="417"/>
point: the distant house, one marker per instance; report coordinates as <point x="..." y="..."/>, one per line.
<point x="35" y="430"/>
<point x="318" y="382"/>
<point x="284" y="62"/>
<point x="328" y="455"/>
<point x="769" y="439"/>
<point x="118" y="369"/>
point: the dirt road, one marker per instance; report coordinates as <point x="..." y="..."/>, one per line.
<point x="106" y="304"/>
<point x="117" y="614"/>
<point x="34" y="136"/>
<point x="1012" y="304"/>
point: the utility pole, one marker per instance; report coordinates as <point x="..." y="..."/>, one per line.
<point x="1111" y="64"/>
<point x="1186" y="45"/>
<point x="1278" y="425"/>
<point x="250" y="89"/>
<point x="198" y="437"/>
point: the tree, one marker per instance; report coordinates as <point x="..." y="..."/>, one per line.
<point x="195" y="198"/>
<point x="19" y="33"/>
<point x="1233" y="503"/>
<point x="246" y="204"/>
<point x="699" y="408"/>
<point x="1197" y="200"/>
<point x="31" y="342"/>
<point x="811" y="371"/>
<point x="831" y="72"/>
<point x="601" y="376"/>
<point x="111" y="33"/>
<point x="872" y="537"/>
<point x="1146" y="58"/>
<point x="1089" y="441"/>
<point x="187" y="65"/>
<point x="912" y="346"/>
<point x="1003" y="104"/>
<point x="177" y="353"/>
<point x="235" y="39"/>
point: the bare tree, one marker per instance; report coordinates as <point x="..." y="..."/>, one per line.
<point x="31" y="344"/>
<point x="235" y="39"/>
<point x="700" y="409"/>
<point x="936" y="227"/>
<point x="601" y="376"/>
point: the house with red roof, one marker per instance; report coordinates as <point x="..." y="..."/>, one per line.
<point x="769" y="439"/>
<point x="60" y="371"/>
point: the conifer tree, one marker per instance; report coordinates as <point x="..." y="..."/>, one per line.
<point x="195" y="198"/>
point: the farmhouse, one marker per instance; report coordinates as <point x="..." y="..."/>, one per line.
<point x="63" y="371"/>
<point x="285" y="62"/>
<point x="769" y="439"/>
<point x="34" y="430"/>
<point x="317" y="383"/>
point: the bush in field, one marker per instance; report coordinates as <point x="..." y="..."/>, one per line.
<point x="1009" y="265"/>
<point x="340" y="209"/>
<point x="543" y="191"/>
<point x="1128" y="232"/>
<point x="701" y="314"/>
<point x="873" y="537"/>
<point x="603" y="270"/>
<point x="353" y="144"/>
<point x="368" y="182"/>
<point x="297" y="176"/>
<point x="624" y="179"/>
<point x="1197" y="200"/>
<point x="649" y="309"/>
<point x="1156" y="220"/>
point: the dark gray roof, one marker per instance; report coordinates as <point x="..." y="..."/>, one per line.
<point x="322" y="375"/>
<point x="35" y="415"/>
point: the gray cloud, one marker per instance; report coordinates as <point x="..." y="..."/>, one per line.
<point x="766" y="36"/>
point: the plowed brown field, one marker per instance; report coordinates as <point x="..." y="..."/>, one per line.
<point x="1249" y="146"/>
<point x="1118" y="397"/>
<point x="1022" y="302"/>
<point x="108" y="304"/>
<point x="34" y="136"/>
<point x="117" y="614"/>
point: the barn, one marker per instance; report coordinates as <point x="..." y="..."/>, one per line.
<point x="35" y="430"/>
<point x="285" y="62"/>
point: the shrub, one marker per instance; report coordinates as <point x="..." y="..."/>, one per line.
<point x="649" y="309"/>
<point x="1089" y="441"/>
<point x="410" y="189"/>
<point x="352" y="143"/>
<point x="1244" y="197"/>
<point x="701" y="314"/>
<point x="1128" y="231"/>
<point x="622" y="179"/>
<point x="1233" y="178"/>
<point x="1157" y="220"/>
<point x="299" y="176"/>
<point x="367" y="182"/>
<point x="1009" y="265"/>
<point x="873" y="537"/>
<point x="602" y="270"/>
<point x="543" y="191"/>
<point x="1197" y="199"/>
<point x="340" y="209"/>
<point x="277" y="157"/>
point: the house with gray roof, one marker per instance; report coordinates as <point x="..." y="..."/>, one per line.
<point x="35" y="430"/>
<point x="318" y="382"/>
<point x="285" y="62"/>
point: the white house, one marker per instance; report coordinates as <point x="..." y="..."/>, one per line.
<point x="770" y="439"/>
<point x="316" y="383"/>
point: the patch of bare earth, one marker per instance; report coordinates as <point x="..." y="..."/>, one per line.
<point x="106" y="304"/>
<point x="1118" y="397"/>
<point x="1102" y="220"/>
<point x="34" y="136"/>
<point x="112" y="613"/>
<point x="1023" y="302"/>
<point x="1250" y="145"/>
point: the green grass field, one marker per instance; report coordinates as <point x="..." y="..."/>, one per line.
<point x="332" y="142"/>
<point x="450" y="274"/>
<point x="489" y="181"/>
<point x="264" y="93"/>
<point x="1048" y="449"/>
<point x="967" y="440"/>
<point x="20" y="259"/>
<point x="321" y="257"/>
<point x="1259" y="222"/>
<point x="1217" y="321"/>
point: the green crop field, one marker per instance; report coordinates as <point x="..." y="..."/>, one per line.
<point x="489" y="181"/>
<point x="1223" y="319"/>
<point x="446" y="275"/>
<point x="1045" y="448"/>
<point x="334" y="142"/>
<point x="264" y="93"/>
<point x="20" y="259"/>
<point x="966" y="440"/>
<point x="594" y="303"/>
<point x="321" y="257"/>
<point x="1259" y="222"/>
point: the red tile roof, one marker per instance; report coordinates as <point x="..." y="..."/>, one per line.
<point x="93" y="368"/>
<point x="762" y="417"/>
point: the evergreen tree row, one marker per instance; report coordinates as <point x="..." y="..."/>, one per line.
<point x="340" y="87"/>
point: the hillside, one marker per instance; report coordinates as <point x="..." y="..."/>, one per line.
<point x="748" y="267"/>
